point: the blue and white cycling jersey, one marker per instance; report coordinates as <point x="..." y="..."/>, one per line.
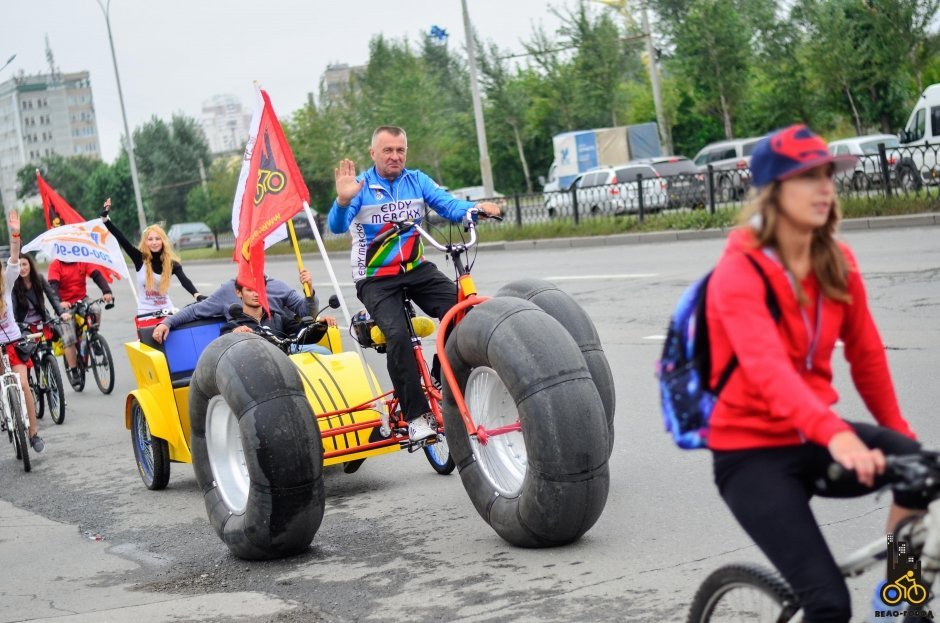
<point x="378" y="204"/>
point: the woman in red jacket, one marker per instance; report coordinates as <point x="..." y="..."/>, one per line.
<point x="774" y="431"/>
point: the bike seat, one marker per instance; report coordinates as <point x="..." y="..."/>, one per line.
<point x="423" y="327"/>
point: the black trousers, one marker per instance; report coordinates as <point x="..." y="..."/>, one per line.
<point x="430" y="290"/>
<point x="768" y="490"/>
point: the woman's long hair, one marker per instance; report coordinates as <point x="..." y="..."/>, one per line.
<point x="826" y="258"/>
<point x="167" y="257"/>
<point x="19" y="287"/>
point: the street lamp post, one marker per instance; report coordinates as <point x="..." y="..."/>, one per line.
<point x="9" y="60"/>
<point x="486" y="170"/>
<point x="141" y="219"/>
<point x="665" y="134"/>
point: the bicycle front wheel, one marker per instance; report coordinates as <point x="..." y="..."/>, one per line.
<point x="438" y="455"/>
<point x="53" y="388"/>
<point x="743" y="593"/>
<point x="102" y="364"/>
<point x="19" y="427"/>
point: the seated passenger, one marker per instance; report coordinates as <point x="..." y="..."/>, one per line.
<point x="252" y="316"/>
<point x="281" y="298"/>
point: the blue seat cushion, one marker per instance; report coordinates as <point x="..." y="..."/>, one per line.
<point x="183" y="346"/>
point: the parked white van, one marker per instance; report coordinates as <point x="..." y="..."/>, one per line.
<point x="920" y="143"/>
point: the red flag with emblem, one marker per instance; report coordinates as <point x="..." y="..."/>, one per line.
<point x="58" y="212"/>
<point x="270" y="191"/>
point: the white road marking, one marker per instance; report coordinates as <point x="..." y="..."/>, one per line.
<point x="657" y="338"/>
<point x="601" y="277"/>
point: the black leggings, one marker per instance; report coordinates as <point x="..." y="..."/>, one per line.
<point x="430" y="290"/>
<point x="768" y="490"/>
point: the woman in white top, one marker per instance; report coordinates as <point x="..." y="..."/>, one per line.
<point x="154" y="262"/>
<point x="10" y="331"/>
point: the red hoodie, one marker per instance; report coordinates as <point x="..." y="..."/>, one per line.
<point x="782" y="393"/>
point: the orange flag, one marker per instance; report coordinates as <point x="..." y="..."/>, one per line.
<point x="270" y="191"/>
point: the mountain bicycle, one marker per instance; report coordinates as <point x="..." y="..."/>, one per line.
<point x="93" y="350"/>
<point x="13" y="404"/>
<point x="45" y="380"/>
<point x="752" y="593"/>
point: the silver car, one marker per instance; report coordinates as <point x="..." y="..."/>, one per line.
<point x="731" y="166"/>
<point x="867" y="171"/>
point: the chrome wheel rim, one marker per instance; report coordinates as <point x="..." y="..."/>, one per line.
<point x="227" y="455"/>
<point x="503" y="457"/>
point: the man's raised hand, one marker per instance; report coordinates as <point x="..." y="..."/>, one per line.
<point x="346" y="185"/>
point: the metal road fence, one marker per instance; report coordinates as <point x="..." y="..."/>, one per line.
<point x="909" y="171"/>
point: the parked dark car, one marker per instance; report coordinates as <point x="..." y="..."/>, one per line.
<point x="685" y="184"/>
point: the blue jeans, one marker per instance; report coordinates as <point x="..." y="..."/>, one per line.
<point x="310" y="348"/>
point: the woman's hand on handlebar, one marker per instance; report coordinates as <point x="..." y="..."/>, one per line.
<point x="244" y="329"/>
<point x="849" y="452"/>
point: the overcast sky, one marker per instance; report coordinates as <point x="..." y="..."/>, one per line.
<point x="174" y="54"/>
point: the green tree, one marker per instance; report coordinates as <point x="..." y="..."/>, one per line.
<point x="168" y="157"/>
<point x="213" y="204"/>
<point x="712" y="51"/>
<point x="67" y="176"/>
<point x="114" y="181"/>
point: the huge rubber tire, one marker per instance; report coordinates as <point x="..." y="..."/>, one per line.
<point x="565" y="309"/>
<point x="20" y="432"/>
<point x="55" y="391"/>
<point x="102" y="363"/>
<point x="743" y="593"/>
<point x="151" y="453"/>
<point x="256" y="448"/>
<point x="546" y="485"/>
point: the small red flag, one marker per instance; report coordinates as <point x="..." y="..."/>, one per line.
<point x="270" y="192"/>
<point x="58" y="212"/>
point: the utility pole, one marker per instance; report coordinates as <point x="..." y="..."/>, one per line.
<point x="141" y="219"/>
<point x="665" y="134"/>
<point x="486" y="170"/>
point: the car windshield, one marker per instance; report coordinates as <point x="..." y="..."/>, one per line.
<point x="871" y="147"/>
<point x="675" y="167"/>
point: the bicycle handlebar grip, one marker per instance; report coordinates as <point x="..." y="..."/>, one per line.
<point x="109" y="305"/>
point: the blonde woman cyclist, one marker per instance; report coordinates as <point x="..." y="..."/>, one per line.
<point x="154" y="262"/>
<point x="10" y="331"/>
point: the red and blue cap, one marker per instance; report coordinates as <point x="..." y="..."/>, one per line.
<point x="791" y="151"/>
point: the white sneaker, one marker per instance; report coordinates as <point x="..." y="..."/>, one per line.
<point x="422" y="427"/>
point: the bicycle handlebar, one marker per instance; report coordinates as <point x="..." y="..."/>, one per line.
<point x="905" y="472"/>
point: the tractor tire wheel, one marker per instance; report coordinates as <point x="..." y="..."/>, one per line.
<point x="565" y="309"/>
<point x="545" y="483"/>
<point x="256" y="448"/>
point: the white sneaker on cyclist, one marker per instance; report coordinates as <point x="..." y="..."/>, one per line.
<point x="422" y="427"/>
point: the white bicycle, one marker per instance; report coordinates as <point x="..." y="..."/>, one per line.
<point x="13" y="403"/>
<point x="744" y="592"/>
